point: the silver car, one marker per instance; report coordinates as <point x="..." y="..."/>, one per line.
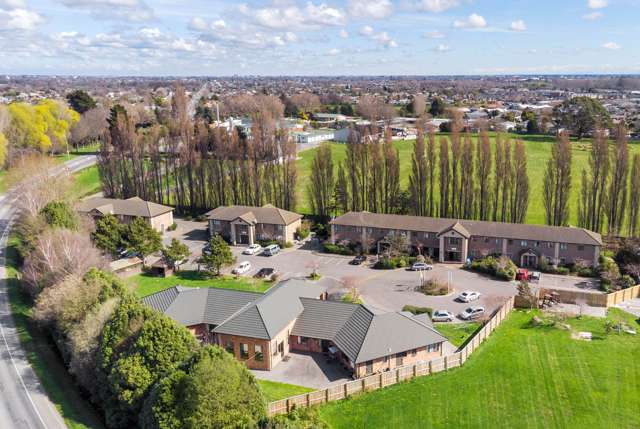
<point x="442" y="316"/>
<point x="471" y="313"/>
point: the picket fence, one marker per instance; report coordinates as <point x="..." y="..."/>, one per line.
<point x="397" y="375"/>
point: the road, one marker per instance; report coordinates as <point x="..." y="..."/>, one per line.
<point x="23" y="402"/>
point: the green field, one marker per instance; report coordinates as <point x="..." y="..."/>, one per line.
<point x="85" y="182"/>
<point x="145" y="284"/>
<point x="538" y="152"/>
<point x="41" y="352"/>
<point x="457" y="333"/>
<point x="274" y="391"/>
<point x="521" y="377"/>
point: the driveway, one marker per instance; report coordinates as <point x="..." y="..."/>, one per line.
<point x="306" y="369"/>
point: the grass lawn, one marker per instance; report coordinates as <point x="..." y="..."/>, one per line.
<point x="521" y="377"/>
<point x="538" y="152"/>
<point x="457" y="333"/>
<point x="86" y="182"/>
<point x="145" y="284"/>
<point x="42" y="354"/>
<point x="274" y="391"/>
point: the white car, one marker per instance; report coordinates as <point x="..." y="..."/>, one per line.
<point x="470" y="313"/>
<point x="442" y="316"/>
<point x="421" y="266"/>
<point x="468" y="296"/>
<point x="242" y="268"/>
<point x="254" y="249"/>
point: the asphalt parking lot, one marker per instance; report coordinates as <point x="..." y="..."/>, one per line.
<point x="389" y="290"/>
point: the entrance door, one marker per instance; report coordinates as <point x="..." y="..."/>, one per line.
<point x="453" y="256"/>
<point x="281" y="348"/>
<point x="529" y="260"/>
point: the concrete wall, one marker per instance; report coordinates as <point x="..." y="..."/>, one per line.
<point x="162" y="222"/>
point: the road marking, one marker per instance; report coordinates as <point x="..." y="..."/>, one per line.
<point x="4" y="338"/>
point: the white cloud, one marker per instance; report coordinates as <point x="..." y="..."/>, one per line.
<point x="442" y="48"/>
<point x="597" y="4"/>
<point x="334" y="51"/>
<point x="366" y="30"/>
<point x="611" y="46"/>
<point x="290" y="37"/>
<point x="592" y="16"/>
<point x="435" y="34"/>
<point x="473" y="21"/>
<point x="375" y="9"/>
<point x="19" y="19"/>
<point x="130" y="10"/>
<point x="433" y="6"/>
<point x="518" y="25"/>
<point x="13" y="4"/>
<point x="290" y="16"/>
<point x="344" y="34"/>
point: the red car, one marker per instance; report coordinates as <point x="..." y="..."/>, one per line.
<point x="522" y="274"/>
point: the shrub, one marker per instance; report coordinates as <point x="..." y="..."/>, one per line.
<point x="626" y="281"/>
<point x="60" y="215"/>
<point x="303" y="231"/>
<point x="502" y="267"/>
<point x="352" y="296"/>
<point x="418" y="310"/>
<point x="338" y="249"/>
<point x="385" y="264"/>
<point x="433" y="287"/>
<point x="563" y="271"/>
<point x="201" y="218"/>
<point x="172" y="227"/>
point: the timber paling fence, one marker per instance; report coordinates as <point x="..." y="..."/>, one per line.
<point x="394" y="376"/>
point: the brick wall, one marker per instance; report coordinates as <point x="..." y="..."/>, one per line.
<point x="391" y="362"/>
<point x="251" y="361"/>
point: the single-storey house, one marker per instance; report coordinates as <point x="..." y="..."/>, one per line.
<point x="261" y="329"/>
<point x="159" y="217"/>
<point x="246" y="225"/>
<point x="456" y="240"/>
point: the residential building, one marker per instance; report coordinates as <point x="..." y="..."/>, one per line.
<point x="313" y="136"/>
<point x="451" y="240"/>
<point x="262" y="329"/>
<point x="246" y="225"/>
<point x="159" y="217"/>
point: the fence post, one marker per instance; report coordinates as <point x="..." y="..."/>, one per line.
<point x="346" y="390"/>
<point x="288" y="405"/>
<point x="326" y="395"/>
<point x="397" y="375"/>
<point x="415" y="370"/>
<point x="381" y="380"/>
<point x="430" y="367"/>
<point x="364" y="384"/>
<point x="446" y="363"/>
<point x="308" y="400"/>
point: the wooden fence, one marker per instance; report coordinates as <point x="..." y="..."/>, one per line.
<point x="591" y="298"/>
<point x="397" y="375"/>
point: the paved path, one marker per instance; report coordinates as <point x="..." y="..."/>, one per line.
<point x="23" y="401"/>
<point x="632" y="306"/>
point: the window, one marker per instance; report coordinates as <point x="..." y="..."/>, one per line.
<point x="400" y="358"/>
<point x="580" y="247"/>
<point x="229" y="346"/>
<point x="258" y="353"/>
<point x="563" y="246"/>
<point x="369" y="367"/>
<point x="486" y="239"/>
<point x="216" y="222"/>
<point x="523" y="243"/>
<point x="426" y="235"/>
<point x="304" y="340"/>
<point x="244" y="351"/>
<point x="433" y="347"/>
<point x="455" y="241"/>
<point x="509" y="241"/>
<point x="537" y="244"/>
<point x="414" y="352"/>
<point x="562" y="261"/>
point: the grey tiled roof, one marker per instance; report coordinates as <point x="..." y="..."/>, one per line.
<point x="130" y="207"/>
<point x="272" y="312"/>
<point x="517" y="231"/>
<point x="266" y="214"/>
<point x="363" y="332"/>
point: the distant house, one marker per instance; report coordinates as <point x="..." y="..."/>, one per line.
<point x="262" y="329"/>
<point x="246" y="225"/>
<point x="313" y="136"/>
<point x="159" y="217"/>
<point x="455" y="240"/>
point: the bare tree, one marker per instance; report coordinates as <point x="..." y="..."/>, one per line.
<point x="557" y="182"/>
<point x="594" y="184"/>
<point x="520" y="193"/>
<point x="483" y="179"/>
<point x="634" y="196"/>
<point x="419" y="104"/>
<point x="617" y="198"/>
<point x="445" y="178"/>
<point x="418" y="176"/>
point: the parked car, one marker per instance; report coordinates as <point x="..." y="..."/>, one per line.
<point x="535" y="276"/>
<point x="421" y="266"/>
<point x="271" y="250"/>
<point x="468" y="296"/>
<point x="206" y="249"/>
<point x="358" y="260"/>
<point x="254" y="249"/>
<point x="522" y="274"/>
<point x="265" y="273"/>
<point x="442" y="316"/>
<point x="242" y="268"/>
<point x="471" y="313"/>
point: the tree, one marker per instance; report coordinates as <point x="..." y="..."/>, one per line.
<point x="483" y="179"/>
<point x="211" y="390"/>
<point x="527" y="295"/>
<point x="59" y="214"/>
<point x="438" y="107"/>
<point x="219" y="255"/>
<point x="418" y="105"/>
<point x="581" y="115"/>
<point x="617" y="198"/>
<point x="175" y="252"/>
<point x="520" y="193"/>
<point x="321" y="184"/>
<point x="594" y="185"/>
<point x="445" y="177"/>
<point x="557" y="182"/>
<point x="341" y="191"/>
<point x="532" y="126"/>
<point x="634" y="196"/>
<point x="418" y="177"/>
<point x="91" y="127"/>
<point x="109" y="234"/>
<point x="80" y="101"/>
<point x="391" y="175"/>
<point x="431" y="168"/>
<point x="141" y="238"/>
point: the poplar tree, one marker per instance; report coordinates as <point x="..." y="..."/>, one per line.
<point x="418" y="177"/>
<point x="557" y="182"/>
<point x="634" y="197"/>
<point x="617" y="198"/>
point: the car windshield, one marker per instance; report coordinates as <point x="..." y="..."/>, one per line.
<point x="469" y="310"/>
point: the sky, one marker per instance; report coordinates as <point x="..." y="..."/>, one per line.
<point x="318" y="37"/>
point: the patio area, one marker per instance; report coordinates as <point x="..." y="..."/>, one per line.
<point x="306" y="369"/>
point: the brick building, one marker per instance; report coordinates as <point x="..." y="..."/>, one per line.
<point x="261" y="329"/>
<point x="452" y="240"/>
<point x="158" y="216"/>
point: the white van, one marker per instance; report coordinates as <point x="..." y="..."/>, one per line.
<point x="271" y="250"/>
